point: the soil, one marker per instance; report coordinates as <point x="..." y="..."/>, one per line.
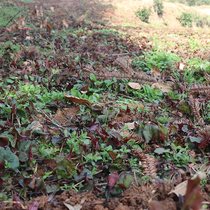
<point x="154" y="196"/>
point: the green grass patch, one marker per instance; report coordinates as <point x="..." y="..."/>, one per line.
<point x="7" y="13"/>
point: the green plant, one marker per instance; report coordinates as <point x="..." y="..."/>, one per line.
<point x="186" y="19"/>
<point x="47" y="150"/>
<point x="156" y="59"/>
<point x="191" y="2"/>
<point x="177" y="154"/>
<point x="147" y="93"/>
<point x="143" y="14"/>
<point x="76" y="141"/>
<point x="7" y="12"/>
<point x="158" y="7"/>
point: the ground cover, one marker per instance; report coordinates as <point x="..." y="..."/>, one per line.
<point x="100" y="117"/>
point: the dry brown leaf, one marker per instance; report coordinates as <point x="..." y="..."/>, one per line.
<point x="70" y="207"/>
<point x="156" y="205"/>
<point x="134" y="85"/>
<point x="164" y="87"/>
<point x="155" y="72"/>
<point x="136" y="106"/>
<point x="124" y="62"/>
<point x="77" y="100"/>
<point x="193" y="197"/>
<point x="65" y="24"/>
<point x="63" y="116"/>
<point x="130" y="126"/>
<point x="180" y="189"/>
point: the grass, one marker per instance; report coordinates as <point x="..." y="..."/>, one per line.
<point x="156" y="59"/>
<point x="7" y="13"/>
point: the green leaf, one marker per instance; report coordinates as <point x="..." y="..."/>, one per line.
<point x="195" y="139"/>
<point x="93" y="77"/>
<point x="8" y="156"/>
<point x="160" y="151"/>
<point x="148" y="133"/>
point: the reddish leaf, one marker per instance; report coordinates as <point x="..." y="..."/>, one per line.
<point x="193" y="197"/>
<point x="1" y="182"/>
<point x="1" y="165"/>
<point x="4" y="141"/>
<point x="112" y="179"/>
<point x="34" y="206"/>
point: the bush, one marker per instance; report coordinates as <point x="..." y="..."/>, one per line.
<point x="158" y="7"/>
<point x="144" y="14"/>
<point x="186" y="19"/>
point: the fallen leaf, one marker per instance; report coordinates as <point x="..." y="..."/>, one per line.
<point x="134" y="85"/>
<point x="193" y="197"/>
<point x="4" y="141"/>
<point x="34" y="206"/>
<point x="180" y="189"/>
<point x="65" y="24"/>
<point x="78" y="100"/>
<point x="156" y="205"/>
<point x="70" y="207"/>
<point x="164" y="87"/>
<point x="65" y="115"/>
<point x="112" y="179"/>
<point x="130" y="126"/>
<point x="155" y="72"/>
<point x="125" y="63"/>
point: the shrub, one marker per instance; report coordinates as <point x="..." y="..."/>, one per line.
<point x="158" y="7"/>
<point x="186" y="19"/>
<point x="144" y="14"/>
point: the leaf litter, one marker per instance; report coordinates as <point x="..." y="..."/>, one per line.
<point x="79" y="126"/>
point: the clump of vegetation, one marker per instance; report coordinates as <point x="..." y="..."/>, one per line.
<point x="158" y="7"/>
<point x="155" y="59"/>
<point x="144" y="14"/>
<point x="7" y="13"/>
<point x="193" y="2"/>
<point x="186" y="19"/>
<point x="190" y="19"/>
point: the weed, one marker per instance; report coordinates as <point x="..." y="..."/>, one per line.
<point x="75" y="142"/>
<point x="194" y="44"/>
<point x="196" y="70"/>
<point x="143" y="14"/>
<point x="193" y="2"/>
<point x="158" y="7"/>
<point x="186" y="19"/>
<point x="177" y="154"/>
<point x="156" y="59"/>
<point x="47" y="150"/>
<point x="148" y="93"/>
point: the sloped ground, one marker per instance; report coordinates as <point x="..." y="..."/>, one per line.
<point x="69" y="125"/>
